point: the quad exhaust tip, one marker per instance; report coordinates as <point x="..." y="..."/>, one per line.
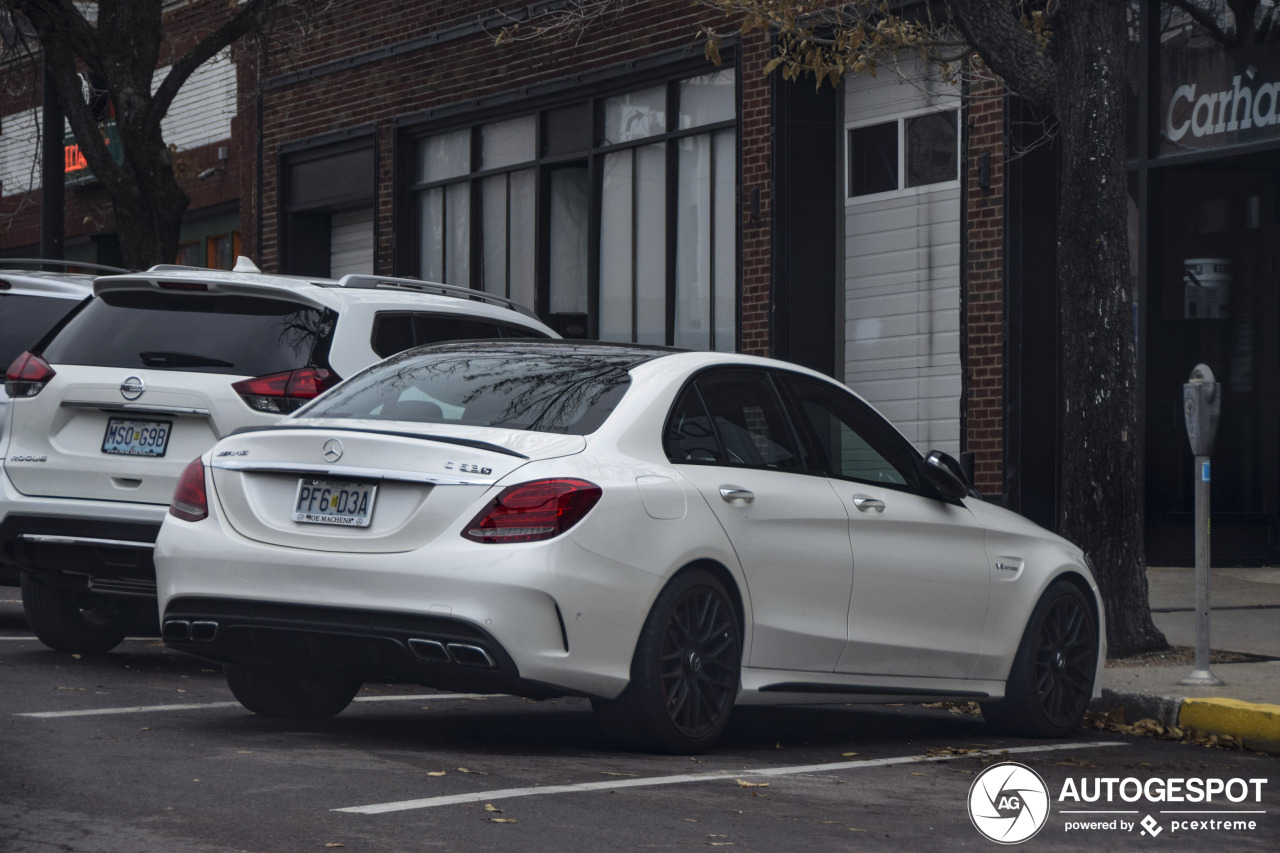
<point x="464" y="654"/>
<point x="183" y="630"/>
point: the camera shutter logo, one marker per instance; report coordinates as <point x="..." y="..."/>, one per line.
<point x="1008" y="803"/>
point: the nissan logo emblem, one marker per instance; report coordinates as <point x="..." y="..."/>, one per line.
<point x="332" y="451"/>
<point x="132" y="388"/>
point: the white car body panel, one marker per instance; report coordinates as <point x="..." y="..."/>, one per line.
<point x="912" y="603"/>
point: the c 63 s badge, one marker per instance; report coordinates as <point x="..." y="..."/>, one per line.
<point x="466" y="468"/>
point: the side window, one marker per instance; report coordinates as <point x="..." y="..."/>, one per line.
<point x="689" y="436"/>
<point x="858" y="444"/>
<point x="747" y="418"/>
<point x="395" y="331"/>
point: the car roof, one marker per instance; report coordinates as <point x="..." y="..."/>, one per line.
<point x="43" y="283"/>
<point x="323" y="292"/>
<point x="624" y="355"/>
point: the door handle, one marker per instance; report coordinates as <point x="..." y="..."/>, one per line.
<point x="735" y="494"/>
<point x="868" y="504"/>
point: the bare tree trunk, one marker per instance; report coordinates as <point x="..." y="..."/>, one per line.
<point x="1101" y="498"/>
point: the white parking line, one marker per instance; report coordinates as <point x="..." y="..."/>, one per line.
<point x="125" y="640"/>
<point x="142" y="709"/>
<point x="510" y="793"/>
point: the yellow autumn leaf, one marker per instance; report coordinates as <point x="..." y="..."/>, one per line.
<point x="742" y="783"/>
<point x="437" y="772"/>
<point x="490" y="807"/>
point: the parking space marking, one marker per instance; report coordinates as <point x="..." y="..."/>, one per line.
<point x="141" y="709"/>
<point x="713" y="776"/>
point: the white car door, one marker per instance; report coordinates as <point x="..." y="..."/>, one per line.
<point x="921" y="576"/>
<point x="730" y="436"/>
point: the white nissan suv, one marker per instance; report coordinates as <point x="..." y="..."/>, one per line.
<point x="110" y="406"/>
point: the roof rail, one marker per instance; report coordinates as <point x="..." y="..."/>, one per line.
<point x="375" y="281"/>
<point x="45" y="262"/>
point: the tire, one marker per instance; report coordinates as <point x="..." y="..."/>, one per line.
<point x="303" y="694"/>
<point x="71" y="621"/>
<point x="685" y="672"/>
<point x="1051" y="680"/>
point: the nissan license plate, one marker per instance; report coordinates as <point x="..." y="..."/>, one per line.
<point x="128" y="437"/>
<point x="344" y="502"/>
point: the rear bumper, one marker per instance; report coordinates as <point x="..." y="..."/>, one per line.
<point x="107" y="556"/>
<point x="441" y="651"/>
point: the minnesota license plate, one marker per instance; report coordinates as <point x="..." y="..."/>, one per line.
<point x="343" y="502"/>
<point x="136" y="438"/>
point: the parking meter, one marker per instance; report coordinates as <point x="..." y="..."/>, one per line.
<point x="1201" y="401"/>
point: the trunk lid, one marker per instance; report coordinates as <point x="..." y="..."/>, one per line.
<point x="407" y="483"/>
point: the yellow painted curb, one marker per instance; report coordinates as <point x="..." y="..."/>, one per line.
<point x="1257" y="726"/>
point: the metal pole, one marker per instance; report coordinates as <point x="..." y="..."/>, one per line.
<point x="52" y="187"/>
<point x="1201" y="676"/>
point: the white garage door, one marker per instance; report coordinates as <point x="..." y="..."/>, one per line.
<point x="351" y="242"/>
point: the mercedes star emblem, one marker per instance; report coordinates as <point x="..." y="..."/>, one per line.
<point x="332" y="451"/>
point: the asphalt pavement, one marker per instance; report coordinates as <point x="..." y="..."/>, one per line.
<point x="1244" y="619"/>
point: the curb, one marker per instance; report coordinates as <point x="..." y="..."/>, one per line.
<point x="1256" y="725"/>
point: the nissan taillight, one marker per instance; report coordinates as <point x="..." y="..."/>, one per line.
<point x="531" y="512"/>
<point x="190" y="501"/>
<point x="285" y="392"/>
<point x="27" y="376"/>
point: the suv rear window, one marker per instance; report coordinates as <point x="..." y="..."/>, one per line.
<point x="215" y="333"/>
<point x="518" y="389"/>
<point x="23" y="319"/>
<point x="396" y="331"/>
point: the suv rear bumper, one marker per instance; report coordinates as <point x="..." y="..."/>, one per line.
<point x="108" y="557"/>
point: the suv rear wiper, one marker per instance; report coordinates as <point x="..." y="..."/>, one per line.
<point x="181" y="359"/>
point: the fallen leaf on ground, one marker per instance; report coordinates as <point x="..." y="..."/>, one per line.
<point x="612" y="773"/>
<point x="490" y="807"/>
<point x="742" y="783"/>
<point x="437" y="772"/>
<point x="502" y="820"/>
<point x="478" y="772"/>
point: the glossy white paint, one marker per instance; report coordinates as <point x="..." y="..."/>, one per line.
<point x="840" y="602"/>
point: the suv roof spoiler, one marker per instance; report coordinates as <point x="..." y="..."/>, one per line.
<point x="66" y="265"/>
<point x="376" y="281"/>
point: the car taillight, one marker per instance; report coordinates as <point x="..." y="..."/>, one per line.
<point x="282" y="393"/>
<point x="531" y="512"/>
<point x="190" y="501"/>
<point x="27" y="376"/>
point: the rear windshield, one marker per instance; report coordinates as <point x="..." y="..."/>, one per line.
<point x="24" y="318"/>
<point x="516" y="389"/>
<point x="205" y="333"/>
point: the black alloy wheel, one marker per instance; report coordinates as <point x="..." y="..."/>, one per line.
<point x="1066" y="658"/>
<point x="685" y="672"/>
<point x="1051" y="680"/>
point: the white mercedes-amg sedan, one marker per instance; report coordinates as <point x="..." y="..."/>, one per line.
<point x="666" y="533"/>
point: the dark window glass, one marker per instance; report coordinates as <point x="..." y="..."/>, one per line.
<point x="689" y="436"/>
<point x="873" y="159"/>
<point x="749" y="420"/>
<point x="395" y="332"/>
<point x="856" y="442"/>
<point x="23" y="319"/>
<point x="566" y="130"/>
<point x="508" y="387"/>
<point x="931" y="148"/>
<point x="205" y="333"/>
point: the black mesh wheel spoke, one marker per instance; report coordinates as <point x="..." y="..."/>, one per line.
<point x="698" y="667"/>
<point x="1064" y="659"/>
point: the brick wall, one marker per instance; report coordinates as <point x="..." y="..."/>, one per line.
<point x="984" y="290"/>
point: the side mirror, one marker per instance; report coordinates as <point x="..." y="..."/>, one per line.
<point x="945" y="474"/>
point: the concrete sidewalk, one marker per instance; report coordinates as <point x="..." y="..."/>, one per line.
<point x="1245" y="618"/>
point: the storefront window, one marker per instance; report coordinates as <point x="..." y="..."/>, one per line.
<point x="1219" y="77"/>
<point x="633" y="231"/>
